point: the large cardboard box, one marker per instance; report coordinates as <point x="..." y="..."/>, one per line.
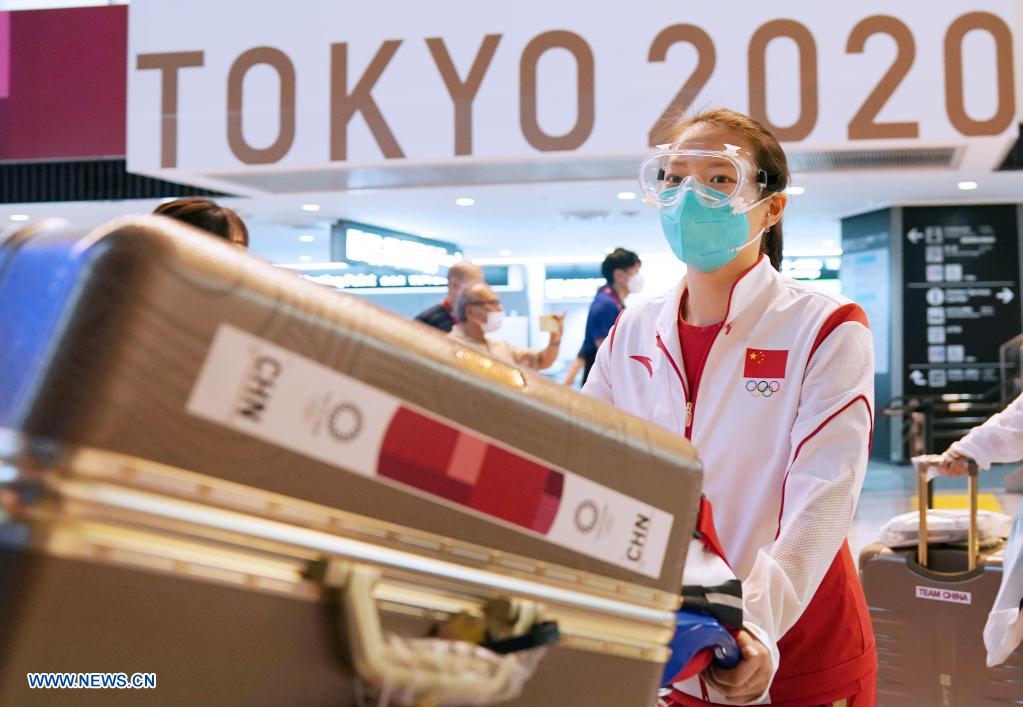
<point x="156" y="381"/>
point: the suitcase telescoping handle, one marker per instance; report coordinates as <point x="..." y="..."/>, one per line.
<point x="922" y="464"/>
<point x="429" y="671"/>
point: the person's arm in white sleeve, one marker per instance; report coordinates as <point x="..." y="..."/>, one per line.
<point x="830" y="447"/>
<point x="598" y="383"/>
<point x="999" y="439"/>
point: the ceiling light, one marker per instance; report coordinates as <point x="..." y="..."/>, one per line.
<point x="311" y="207"/>
<point x="19" y="217"/>
<point x="795" y="191"/>
<point x="967" y="186"/>
<point x="626" y="195"/>
<point x="307" y="264"/>
<point x="465" y="201"/>
<point x="307" y="238"/>
<point x="504" y="253"/>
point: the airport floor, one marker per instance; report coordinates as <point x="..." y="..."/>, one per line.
<point x="890" y="489"/>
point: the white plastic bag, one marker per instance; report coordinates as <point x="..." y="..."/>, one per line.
<point x="945" y="526"/>
<point x="471" y="674"/>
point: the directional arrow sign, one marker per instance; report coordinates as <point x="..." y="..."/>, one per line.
<point x="915" y="236"/>
<point x="1005" y="295"/>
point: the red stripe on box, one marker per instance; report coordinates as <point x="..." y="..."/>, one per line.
<point x="420" y="440"/>
<point x="510" y="487"/>
<point x="467" y="458"/>
<point x="545" y="513"/>
<point x="425" y="479"/>
<point x="417" y="452"/>
<point x="433" y="457"/>
<point x="555" y="485"/>
<point x="550" y="502"/>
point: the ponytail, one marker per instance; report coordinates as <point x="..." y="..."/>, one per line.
<point x="771" y="245"/>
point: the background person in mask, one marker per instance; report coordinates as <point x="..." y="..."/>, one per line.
<point x="479" y="312"/>
<point x="773" y="384"/>
<point x="441" y="316"/>
<point x="621" y="272"/>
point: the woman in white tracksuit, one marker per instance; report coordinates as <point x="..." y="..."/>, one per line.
<point x="999" y="440"/>
<point x="773" y="383"/>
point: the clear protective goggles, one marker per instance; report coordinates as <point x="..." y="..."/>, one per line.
<point x="718" y="178"/>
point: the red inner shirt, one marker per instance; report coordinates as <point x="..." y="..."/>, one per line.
<point x="695" y="342"/>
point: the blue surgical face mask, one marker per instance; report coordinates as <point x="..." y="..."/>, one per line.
<point x="704" y="237"/>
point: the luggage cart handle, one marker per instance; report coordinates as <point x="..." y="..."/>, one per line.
<point x="415" y="671"/>
<point x="699" y="640"/>
<point x="923" y="464"/>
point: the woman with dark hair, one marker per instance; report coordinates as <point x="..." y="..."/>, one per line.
<point x="772" y="381"/>
<point x="208" y="216"/>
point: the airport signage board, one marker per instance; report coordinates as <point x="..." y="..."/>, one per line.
<point x="383" y="248"/>
<point x="961" y="295"/>
<point x="322" y="84"/>
<point x="366" y="278"/>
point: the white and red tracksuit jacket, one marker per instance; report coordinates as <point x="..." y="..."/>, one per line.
<point x="1000" y="440"/>
<point x="782" y="423"/>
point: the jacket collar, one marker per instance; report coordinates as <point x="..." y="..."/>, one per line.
<point x="747" y="294"/>
<point x="612" y="293"/>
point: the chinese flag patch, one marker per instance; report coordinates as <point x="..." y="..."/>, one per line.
<point x="761" y="363"/>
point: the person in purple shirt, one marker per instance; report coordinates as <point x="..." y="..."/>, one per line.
<point x="621" y="271"/>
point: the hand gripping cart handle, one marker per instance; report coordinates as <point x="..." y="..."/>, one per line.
<point x="922" y="465"/>
<point x="699" y="639"/>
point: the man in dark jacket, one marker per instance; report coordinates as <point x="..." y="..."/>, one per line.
<point x="441" y="316"/>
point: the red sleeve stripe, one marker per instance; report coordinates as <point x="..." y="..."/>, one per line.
<point x="851" y="312"/>
<point x="870" y="444"/>
<point x="614" y="330"/>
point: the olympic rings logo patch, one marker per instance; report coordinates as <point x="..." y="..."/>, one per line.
<point x="762" y="388"/>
